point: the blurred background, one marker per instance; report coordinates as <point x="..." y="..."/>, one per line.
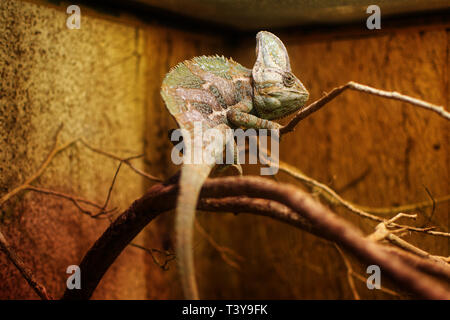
<point x="102" y="82"/>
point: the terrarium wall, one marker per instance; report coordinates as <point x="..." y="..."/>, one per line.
<point x="102" y="84"/>
<point x="372" y="151"/>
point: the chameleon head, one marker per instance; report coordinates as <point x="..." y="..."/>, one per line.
<point x="277" y="92"/>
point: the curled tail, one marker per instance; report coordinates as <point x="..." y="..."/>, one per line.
<point x="192" y="178"/>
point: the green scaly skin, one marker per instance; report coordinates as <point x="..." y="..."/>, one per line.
<point x="222" y="94"/>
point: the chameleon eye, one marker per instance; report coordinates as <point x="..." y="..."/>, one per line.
<point x="288" y="79"/>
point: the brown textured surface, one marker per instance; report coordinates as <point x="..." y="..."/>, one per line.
<point x="103" y="82"/>
<point x="402" y="148"/>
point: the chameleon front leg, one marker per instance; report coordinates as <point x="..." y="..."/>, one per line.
<point x="239" y="116"/>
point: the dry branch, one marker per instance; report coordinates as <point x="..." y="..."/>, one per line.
<point x="350" y="273"/>
<point x="27" y="184"/>
<point x="289" y="205"/>
<point x="318" y="104"/>
<point x="76" y="201"/>
<point x="125" y="160"/>
<point x="435" y="268"/>
<point x="263" y="197"/>
<point x="228" y="255"/>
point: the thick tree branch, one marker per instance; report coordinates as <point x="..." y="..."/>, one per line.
<point x="436" y="268"/>
<point x="287" y="204"/>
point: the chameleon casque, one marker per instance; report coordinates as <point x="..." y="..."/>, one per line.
<point x="222" y="94"/>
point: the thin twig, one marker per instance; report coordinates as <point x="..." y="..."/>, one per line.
<point x="350" y="273"/>
<point x="355" y="181"/>
<point x="433" y="209"/>
<point x="112" y="186"/>
<point x="228" y="255"/>
<point x="382" y="233"/>
<point x="169" y="256"/>
<point x="409" y="247"/>
<point x="161" y="197"/>
<point x="437" y="268"/>
<point x="124" y="160"/>
<point x="333" y="198"/>
<point x="27" y="184"/>
<point x="72" y="198"/>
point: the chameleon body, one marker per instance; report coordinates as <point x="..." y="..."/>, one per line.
<point x="222" y="94"/>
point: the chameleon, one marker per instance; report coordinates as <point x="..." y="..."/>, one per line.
<point x="219" y="93"/>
